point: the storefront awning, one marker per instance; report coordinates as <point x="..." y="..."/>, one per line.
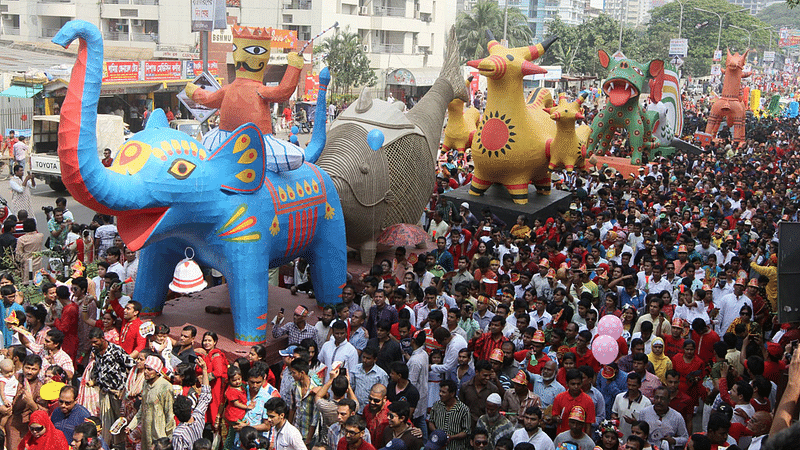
<point x="422" y="76"/>
<point x="21" y="91"/>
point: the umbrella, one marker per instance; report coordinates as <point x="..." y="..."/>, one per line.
<point x="402" y="234"/>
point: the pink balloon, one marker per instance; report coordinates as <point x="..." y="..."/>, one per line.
<point x="605" y="349"/>
<point x="610" y="325"/>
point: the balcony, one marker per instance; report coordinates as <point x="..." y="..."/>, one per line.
<point x="144" y="37"/>
<point x="387" y="48"/>
<point x="115" y="35"/>
<point x="392" y="11"/>
<point x="47" y="32"/>
<point x="298" y="4"/>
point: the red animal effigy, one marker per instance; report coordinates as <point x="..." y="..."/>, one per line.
<point x="730" y="104"/>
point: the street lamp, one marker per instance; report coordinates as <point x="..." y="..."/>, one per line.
<point x="680" y="21"/>
<point x="749" y="34"/>
<point x="719" y="16"/>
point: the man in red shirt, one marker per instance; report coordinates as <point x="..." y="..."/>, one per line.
<point x="705" y="338"/>
<point x="67" y="323"/>
<point x="376" y="414"/>
<point x="678" y="400"/>
<point x="353" y="433"/>
<point x="583" y="355"/>
<point x="130" y="339"/>
<point x="538" y="359"/>
<point x="486" y="342"/>
<point x="574" y="396"/>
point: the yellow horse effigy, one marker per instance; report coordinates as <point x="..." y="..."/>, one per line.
<point x="461" y="125"/>
<point x="565" y="150"/>
<point x="509" y="147"/>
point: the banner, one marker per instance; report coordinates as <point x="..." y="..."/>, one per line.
<point x="120" y="71"/>
<point x="717" y="55"/>
<point x="284" y="39"/>
<point x="678" y="47"/>
<point x="311" y="88"/>
<point x="789" y="38"/>
<point x="195" y="68"/>
<point x="162" y="70"/>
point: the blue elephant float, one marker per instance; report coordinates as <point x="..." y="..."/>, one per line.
<point x="169" y="193"/>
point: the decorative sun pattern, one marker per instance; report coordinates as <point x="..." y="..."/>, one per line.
<point x="495" y="136"/>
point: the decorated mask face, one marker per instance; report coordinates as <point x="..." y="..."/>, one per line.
<point x="251" y="47"/>
<point x="627" y="78"/>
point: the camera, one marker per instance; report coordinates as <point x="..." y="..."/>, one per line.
<point x="48" y="209"/>
<point x="86" y="233"/>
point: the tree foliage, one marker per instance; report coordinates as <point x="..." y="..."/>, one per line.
<point x="576" y="49"/>
<point x="701" y="29"/>
<point x="781" y="15"/>
<point x="348" y="63"/>
<point x="486" y="14"/>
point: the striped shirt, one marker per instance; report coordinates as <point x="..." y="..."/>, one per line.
<point x="453" y="421"/>
<point x="186" y="433"/>
<point x="295" y="334"/>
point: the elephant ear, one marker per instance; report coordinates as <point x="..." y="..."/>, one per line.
<point x="240" y="162"/>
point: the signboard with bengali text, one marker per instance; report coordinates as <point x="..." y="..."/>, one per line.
<point x="121" y="71"/>
<point x="162" y="70"/>
<point x="678" y="47"/>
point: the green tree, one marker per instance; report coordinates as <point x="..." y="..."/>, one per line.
<point x="701" y="29"/>
<point x="348" y="63"/>
<point x="780" y="15"/>
<point x="471" y="28"/>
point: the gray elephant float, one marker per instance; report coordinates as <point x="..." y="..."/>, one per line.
<point x="393" y="184"/>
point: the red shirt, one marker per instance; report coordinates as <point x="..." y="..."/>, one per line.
<point x="130" y="340"/>
<point x="484" y="345"/>
<point x="68" y="324"/>
<point x="772" y="370"/>
<point x="342" y="445"/>
<point x="683" y="404"/>
<point x="563" y="404"/>
<point x="705" y="344"/>
<point x="672" y="346"/>
<point x="586" y="360"/>
<point x="233" y="413"/>
<point x="377" y="423"/>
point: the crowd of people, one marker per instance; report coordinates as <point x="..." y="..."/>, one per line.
<point x="484" y="342"/>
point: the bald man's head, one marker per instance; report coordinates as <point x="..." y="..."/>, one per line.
<point x="760" y="423"/>
<point x="377" y="397"/>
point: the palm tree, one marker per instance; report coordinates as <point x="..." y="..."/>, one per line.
<point x="471" y="28"/>
<point x="346" y="60"/>
<point x="566" y="56"/>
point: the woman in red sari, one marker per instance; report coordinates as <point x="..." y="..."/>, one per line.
<point x="217" y="365"/>
<point x="42" y="434"/>
<point x="691" y="368"/>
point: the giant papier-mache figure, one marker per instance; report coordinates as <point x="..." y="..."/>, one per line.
<point x="625" y="82"/>
<point x="511" y="146"/>
<point x="170" y="192"/>
<point x="247" y="100"/>
<point x="730" y="105"/>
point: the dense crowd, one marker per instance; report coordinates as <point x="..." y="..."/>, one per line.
<point x="484" y="342"/>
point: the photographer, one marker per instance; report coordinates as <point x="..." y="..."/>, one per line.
<point x="58" y="228"/>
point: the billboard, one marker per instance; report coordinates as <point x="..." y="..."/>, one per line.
<point x="120" y="71"/>
<point x="789" y="37"/>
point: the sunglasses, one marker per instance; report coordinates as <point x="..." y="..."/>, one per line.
<point x="36" y="429"/>
<point x="374" y="400"/>
<point x="481" y="443"/>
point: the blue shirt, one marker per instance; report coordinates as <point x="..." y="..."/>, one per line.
<point x="67" y="424"/>
<point x="610" y="388"/>
<point x="258" y="414"/>
<point x="546" y="393"/>
<point x="7" y="310"/>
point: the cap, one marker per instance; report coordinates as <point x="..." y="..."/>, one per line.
<point x="465" y="205"/>
<point x="544" y="263"/>
<point x="774" y="349"/>
<point x="747" y="222"/>
<point x="577" y="413"/>
<point x="608" y="373"/>
<point x="538" y="337"/>
<point x="496" y="355"/>
<point x="741" y="281"/>
<point x="395" y="444"/>
<point x="288" y="351"/>
<point x="676" y="322"/>
<point x="437" y="440"/>
<point x="753" y="282"/>
<point x="621" y="235"/>
<point x="551" y="273"/>
<point x="682" y="249"/>
<point x="301" y="310"/>
<point x="520" y="378"/>
<point x="483" y="299"/>
<point x="494" y="399"/>
<point x="154" y="363"/>
<point x="706" y="287"/>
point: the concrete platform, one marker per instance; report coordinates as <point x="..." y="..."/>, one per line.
<point x="497" y="198"/>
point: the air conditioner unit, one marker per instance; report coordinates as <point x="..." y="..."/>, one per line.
<point x="365" y="10"/>
<point x="366" y="48"/>
<point x="427" y="19"/>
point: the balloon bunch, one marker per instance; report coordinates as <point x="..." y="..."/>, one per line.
<point x="293" y="135"/>
<point x="605" y="348"/>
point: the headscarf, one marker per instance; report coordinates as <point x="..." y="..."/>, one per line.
<point x="52" y="439"/>
<point x="662" y="363"/>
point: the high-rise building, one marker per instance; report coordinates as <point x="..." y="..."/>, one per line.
<point x="394" y="33"/>
<point x="633" y="13"/>
<point x="542" y="12"/>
